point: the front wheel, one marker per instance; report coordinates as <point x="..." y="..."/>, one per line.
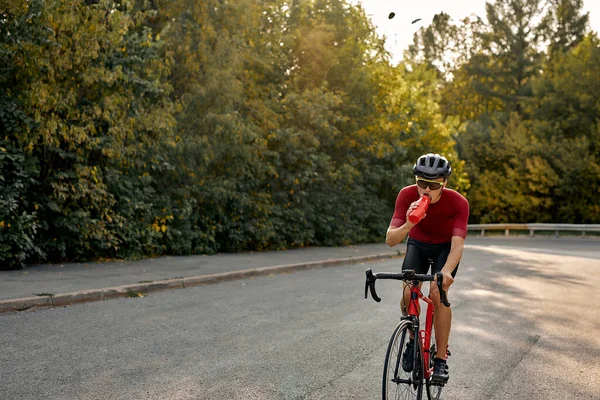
<point x="399" y="384"/>
<point x="434" y="392"/>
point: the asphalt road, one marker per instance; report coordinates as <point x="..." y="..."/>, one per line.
<point x="526" y="326"/>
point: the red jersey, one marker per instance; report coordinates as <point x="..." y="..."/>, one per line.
<point x="445" y="218"/>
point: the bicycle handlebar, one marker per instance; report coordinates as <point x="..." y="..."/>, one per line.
<point x="408" y="275"/>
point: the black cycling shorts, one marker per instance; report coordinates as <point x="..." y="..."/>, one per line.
<point x="418" y="255"/>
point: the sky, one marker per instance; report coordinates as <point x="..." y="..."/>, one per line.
<point x="399" y="30"/>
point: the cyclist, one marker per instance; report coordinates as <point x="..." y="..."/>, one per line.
<point x="439" y="236"/>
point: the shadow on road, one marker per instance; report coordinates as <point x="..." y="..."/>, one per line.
<point x="517" y="319"/>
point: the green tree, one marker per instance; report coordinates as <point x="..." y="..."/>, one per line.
<point x="512" y="58"/>
<point x="565" y="25"/>
<point x="567" y="120"/>
<point x="19" y="219"/>
<point x="90" y="85"/>
<point x="521" y="108"/>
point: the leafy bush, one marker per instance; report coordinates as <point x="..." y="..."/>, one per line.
<point x="18" y="219"/>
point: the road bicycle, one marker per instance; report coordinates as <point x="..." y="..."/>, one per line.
<point x="397" y="383"/>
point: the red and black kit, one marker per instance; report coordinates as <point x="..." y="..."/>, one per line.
<point x="432" y="236"/>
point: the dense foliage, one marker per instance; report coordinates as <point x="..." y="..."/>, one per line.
<point x="132" y="128"/>
<point x="525" y="86"/>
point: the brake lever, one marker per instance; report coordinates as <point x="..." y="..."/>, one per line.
<point x="443" y="295"/>
<point x="370" y="284"/>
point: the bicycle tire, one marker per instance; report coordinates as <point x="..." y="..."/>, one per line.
<point x="434" y="392"/>
<point x="398" y="384"/>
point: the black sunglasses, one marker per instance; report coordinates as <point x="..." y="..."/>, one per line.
<point x="432" y="184"/>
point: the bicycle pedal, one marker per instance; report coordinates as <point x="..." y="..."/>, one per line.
<point x="438" y="382"/>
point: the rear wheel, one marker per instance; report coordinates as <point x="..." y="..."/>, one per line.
<point x="397" y="383"/>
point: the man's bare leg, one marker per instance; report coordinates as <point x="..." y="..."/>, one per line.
<point x="442" y="322"/>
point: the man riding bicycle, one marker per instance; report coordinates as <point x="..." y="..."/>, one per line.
<point x="438" y="236"/>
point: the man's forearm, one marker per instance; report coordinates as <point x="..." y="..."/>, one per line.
<point x="396" y="235"/>
<point x="453" y="258"/>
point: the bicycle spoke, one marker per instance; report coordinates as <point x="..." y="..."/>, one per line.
<point x="399" y="384"/>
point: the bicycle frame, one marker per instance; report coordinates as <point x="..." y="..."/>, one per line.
<point x="424" y="334"/>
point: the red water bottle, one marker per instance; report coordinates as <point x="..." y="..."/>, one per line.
<point x="417" y="213"/>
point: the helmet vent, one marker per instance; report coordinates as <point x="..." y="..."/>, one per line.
<point x="431" y="166"/>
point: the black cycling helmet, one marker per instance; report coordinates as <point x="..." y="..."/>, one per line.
<point x="432" y="166"/>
